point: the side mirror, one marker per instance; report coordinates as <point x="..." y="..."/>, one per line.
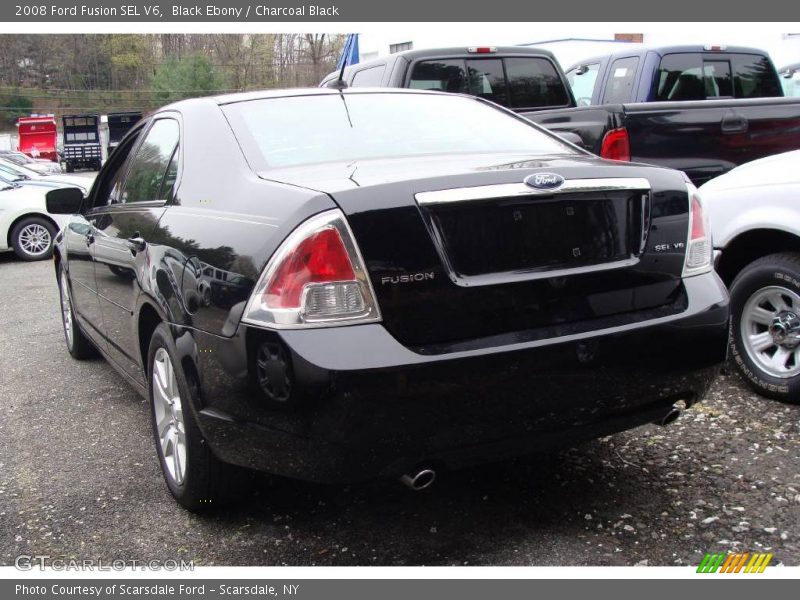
<point x="64" y="201"/>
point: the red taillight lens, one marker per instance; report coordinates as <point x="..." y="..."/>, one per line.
<point x="699" y="250"/>
<point x="320" y="258"/>
<point x="698" y="220"/>
<point x="315" y="278"/>
<point x="616" y="145"/>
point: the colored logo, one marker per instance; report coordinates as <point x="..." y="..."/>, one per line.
<point x="728" y="562"/>
<point x="544" y="181"/>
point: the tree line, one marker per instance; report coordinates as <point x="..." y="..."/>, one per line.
<point x="103" y="73"/>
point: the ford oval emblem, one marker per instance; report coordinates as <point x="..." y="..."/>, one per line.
<point x="544" y="181"/>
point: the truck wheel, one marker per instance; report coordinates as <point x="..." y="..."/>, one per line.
<point x="32" y="238"/>
<point x="765" y="325"/>
<point x="195" y="477"/>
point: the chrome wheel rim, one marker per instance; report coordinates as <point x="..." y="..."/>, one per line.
<point x="770" y="328"/>
<point x="34" y="239"/>
<point x="169" y="421"/>
<point x="66" y="309"/>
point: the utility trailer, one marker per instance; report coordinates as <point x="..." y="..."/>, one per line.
<point x="118" y="125"/>
<point x="82" y="142"/>
<point x="38" y="136"/>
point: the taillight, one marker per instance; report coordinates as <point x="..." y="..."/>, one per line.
<point x="699" y="249"/>
<point x="616" y="145"/>
<point x="315" y="278"/>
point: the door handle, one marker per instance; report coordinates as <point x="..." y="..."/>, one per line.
<point x="136" y="243"/>
<point x="734" y="122"/>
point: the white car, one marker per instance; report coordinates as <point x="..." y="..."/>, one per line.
<point x="25" y="225"/>
<point x="40" y="165"/>
<point x="754" y="212"/>
<point x="82" y="182"/>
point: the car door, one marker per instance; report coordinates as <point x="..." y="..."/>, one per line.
<point x="80" y="237"/>
<point x="123" y="228"/>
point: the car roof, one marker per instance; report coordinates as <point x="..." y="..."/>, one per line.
<point x="662" y="50"/>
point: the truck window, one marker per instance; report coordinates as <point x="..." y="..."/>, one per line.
<point x="534" y="82"/>
<point x="754" y="77"/>
<point x="680" y="77"/>
<point x="442" y="75"/>
<point x="717" y="78"/>
<point x="791" y="84"/>
<point x="487" y="80"/>
<point x="620" y="80"/>
<point x="582" y="79"/>
<point x="369" y="77"/>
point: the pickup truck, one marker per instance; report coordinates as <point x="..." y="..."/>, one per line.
<point x="700" y="109"/>
<point x="701" y="137"/>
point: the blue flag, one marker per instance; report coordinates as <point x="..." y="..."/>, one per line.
<point x="349" y="52"/>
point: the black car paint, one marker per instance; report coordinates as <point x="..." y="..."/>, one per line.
<point x="366" y="403"/>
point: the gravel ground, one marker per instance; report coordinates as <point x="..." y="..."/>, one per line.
<point x="79" y="479"/>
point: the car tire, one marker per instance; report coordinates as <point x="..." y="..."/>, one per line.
<point x="196" y="478"/>
<point x="763" y="348"/>
<point x="70" y="168"/>
<point x="32" y="238"/>
<point x="78" y="344"/>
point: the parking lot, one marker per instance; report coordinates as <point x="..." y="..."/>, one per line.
<point x="79" y="479"/>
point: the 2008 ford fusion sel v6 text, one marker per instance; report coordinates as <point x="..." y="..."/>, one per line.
<point x="337" y="285"/>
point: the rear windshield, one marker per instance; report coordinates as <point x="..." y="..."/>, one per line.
<point x="701" y="76"/>
<point x="280" y="132"/>
<point x="517" y="82"/>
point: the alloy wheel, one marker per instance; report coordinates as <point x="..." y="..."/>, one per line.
<point x="35" y="239"/>
<point x="168" y="410"/>
<point x="66" y="309"/>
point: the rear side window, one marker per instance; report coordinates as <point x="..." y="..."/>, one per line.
<point x="680" y="77"/>
<point x="440" y="75"/>
<point x="487" y="80"/>
<point x="620" y="80"/>
<point x="149" y="166"/>
<point x="371" y="77"/>
<point x="582" y="79"/>
<point x="534" y="82"/>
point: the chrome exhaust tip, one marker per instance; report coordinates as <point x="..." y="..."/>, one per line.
<point x="671" y="416"/>
<point x="419" y="481"/>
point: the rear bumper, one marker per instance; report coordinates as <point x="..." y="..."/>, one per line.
<point x="364" y="405"/>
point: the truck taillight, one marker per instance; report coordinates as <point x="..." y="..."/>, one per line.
<point x="616" y="145"/>
<point x="315" y="278"/>
<point x="699" y="248"/>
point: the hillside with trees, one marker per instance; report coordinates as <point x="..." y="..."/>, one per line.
<point x="65" y="74"/>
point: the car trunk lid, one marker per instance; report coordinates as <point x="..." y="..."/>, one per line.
<point x="462" y="251"/>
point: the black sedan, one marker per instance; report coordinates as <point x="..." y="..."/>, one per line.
<point x="341" y="285"/>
